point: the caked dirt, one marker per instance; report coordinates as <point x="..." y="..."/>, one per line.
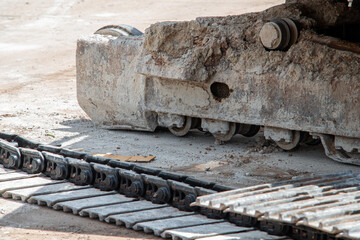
<point x="38" y="101"/>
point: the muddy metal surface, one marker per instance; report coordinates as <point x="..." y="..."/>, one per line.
<point x="38" y="101"/>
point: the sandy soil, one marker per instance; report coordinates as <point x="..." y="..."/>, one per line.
<point x="38" y="101"/>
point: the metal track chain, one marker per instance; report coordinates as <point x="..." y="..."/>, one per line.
<point x="111" y="207"/>
<point x="180" y="191"/>
<point x="317" y="207"/>
<point x="130" y="179"/>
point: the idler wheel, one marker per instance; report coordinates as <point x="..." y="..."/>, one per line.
<point x="182" y="131"/>
<point x="118" y="30"/>
<point x="279" y="34"/>
<point x="296" y="139"/>
<point x="226" y="136"/>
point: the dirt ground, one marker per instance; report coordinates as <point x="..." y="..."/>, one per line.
<point x="38" y="101"/>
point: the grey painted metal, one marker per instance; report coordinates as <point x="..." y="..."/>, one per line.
<point x="24" y="183"/>
<point x="329" y="203"/>
<point x="23" y="186"/>
<point x="221" y="201"/>
<point x="352" y="234"/>
<point x="159" y="226"/>
<point x="251" y="235"/>
<point x="132" y="218"/>
<point x="126" y="108"/>
<point x="14" y="176"/>
<point x="301" y="201"/>
<point x="317" y="212"/>
<point x="76" y="206"/>
<point x="5" y="170"/>
<point x="54" y="187"/>
<point x="214" y="229"/>
<point x="105" y="211"/>
<point x="51" y="199"/>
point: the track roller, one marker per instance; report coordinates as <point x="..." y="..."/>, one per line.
<point x="182" y="131"/>
<point x="247" y="130"/>
<point x="224" y="137"/>
<point x="284" y="138"/>
<point x="296" y="139"/>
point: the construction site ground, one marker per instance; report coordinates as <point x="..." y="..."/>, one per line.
<point x="38" y="101"/>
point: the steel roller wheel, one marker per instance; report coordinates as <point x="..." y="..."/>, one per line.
<point x="182" y="131"/>
<point x="226" y="136"/>
<point x="119" y="30"/>
<point x="296" y="139"/>
<point x="247" y="130"/>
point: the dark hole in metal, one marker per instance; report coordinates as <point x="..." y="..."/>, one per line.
<point x="220" y="90"/>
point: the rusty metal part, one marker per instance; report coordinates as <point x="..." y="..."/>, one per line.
<point x="340" y="155"/>
<point x="130" y="183"/>
<point x="106" y="178"/>
<point x="247" y="130"/>
<point x="320" y="207"/>
<point x="81" y="172"/>
<point x="184" y="129"/>
<point x="275" y="35"/>
<point x="57" y="167"/>
<point x="279" y="34"/>
<point x="200" y="70"/>
<point x="335" y="43"/>
<point x="284" y="138"/>
<point x="327" y="204"/>
<point x="84" y="168"/>
<point x="86" y="201"/>
<point x="10" y="155"/>
<point x="294" y="32"/>
<point x="183" y="195"/>
<point x="296" y="139"/>
<point x="157" y="189"/>
<point x="32" y="160"/>
<point x="228" y="135"/>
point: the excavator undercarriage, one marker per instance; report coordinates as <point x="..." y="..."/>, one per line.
<point x="292" y="70"/>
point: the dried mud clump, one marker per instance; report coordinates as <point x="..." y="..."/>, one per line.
<point x="196" y="50"/>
